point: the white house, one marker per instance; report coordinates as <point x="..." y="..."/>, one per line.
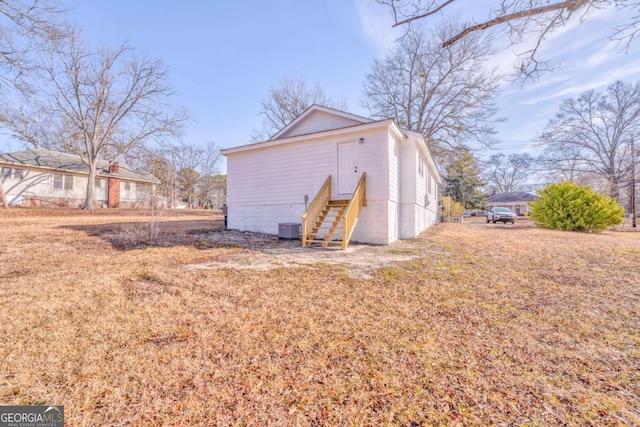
<point x="517" y="201"/>
<point x="276" y="181"/>
<point x="35" y="178"/>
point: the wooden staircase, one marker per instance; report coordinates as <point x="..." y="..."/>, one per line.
<point x="327" y="223"/>
<point x="330" y="223"/>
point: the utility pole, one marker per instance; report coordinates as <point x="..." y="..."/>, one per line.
<point x="633" y="184"/>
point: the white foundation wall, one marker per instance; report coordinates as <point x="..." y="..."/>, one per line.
<point x="266" y="186"/>
<point x="263" y="219"/>
<point x="370" y="228"/>
<point x="419" y="219"/>
<point x="372" y="224"/>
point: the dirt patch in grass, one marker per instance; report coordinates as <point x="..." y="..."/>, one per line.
<point x="267" y="252"/>
<point x="473" y="324"/>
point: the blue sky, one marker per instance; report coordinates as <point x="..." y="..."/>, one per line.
<point x="225" y="55"/>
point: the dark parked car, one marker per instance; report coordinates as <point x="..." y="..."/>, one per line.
<point x="501" y="214"/>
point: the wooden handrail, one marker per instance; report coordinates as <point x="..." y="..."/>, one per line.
<point x="314" y="209"/>
<point x="351" y="213"/>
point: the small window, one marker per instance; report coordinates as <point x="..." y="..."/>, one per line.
<point x="429" y="181"/>
<point x="127" y="186"/>
<point x="57" y="180"/>
<point x="6" y="172"/>
<point x="420" y="165"/>
<point x="68" y="182"/>
<point x="18" y="174"/>
<point x="143" y="188"/>
<point x="98" y="183"/>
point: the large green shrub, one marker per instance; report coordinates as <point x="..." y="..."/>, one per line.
<point x="567" y="206"/>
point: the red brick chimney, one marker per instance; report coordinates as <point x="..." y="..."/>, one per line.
<point x="114" y="169"/>
<point x="114" y="186"/>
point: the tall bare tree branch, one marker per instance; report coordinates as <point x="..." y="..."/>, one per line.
<point x="592" y="134"/>
<point x="108" y="101"/>
<point x="287" y="101"/>
<point x="505" y="173"/>
<point x="521" y="17"/>
<point x="24" y="25"/>
<point x="445" y="94"/>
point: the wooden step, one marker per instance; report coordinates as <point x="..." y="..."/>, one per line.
<point x="333" y="244"/>
<point x="333" y="208"/>
<point x="327" y="223"/>
<point x="317" y="240"/>
<point x="338" y="202"/>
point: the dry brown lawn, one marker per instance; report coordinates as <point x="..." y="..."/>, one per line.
<point x="480" y="325"/>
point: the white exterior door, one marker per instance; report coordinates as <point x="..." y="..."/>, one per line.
<point x="348" y="172"/>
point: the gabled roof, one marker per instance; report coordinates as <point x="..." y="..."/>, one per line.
<point x="352" y="118"/>
<point x="512" y="197"/>
<point x="66" y="162"/>
<point x="306" y="137"/>
<point x="349" y="123"/>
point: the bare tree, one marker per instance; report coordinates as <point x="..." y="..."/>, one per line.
<point x="189" y="160"/>
<point x="507" y="173"/>
<point x="287" y="101"/>
<point x="108" y="101"/>
<point x="563" y="165"/>
<point x="188" y="180"/>
<point x="521" y="17"/>
<point x="445" y="94"/>
<point x="24" y="25"/>
<point x="218" y="192"/>
<point x="38" y="126"/>
<point x="593" y="133"/>
<point x="174" y="165"/>
<point x="159" y="163"/>
<point x="208" y="169"/>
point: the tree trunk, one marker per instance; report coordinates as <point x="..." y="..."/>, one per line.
<point x="91" y="182"/>
<point x="3" y="196"/>
<point x="614" y="188"/>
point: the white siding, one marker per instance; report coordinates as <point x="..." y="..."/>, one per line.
<point x="415" y="215"/>
<point x="101" y="192"/>
<point x="130" y="194"/>
<point x="319" y="121"/>
<point x="39" y="183"/>
<point x="408" y="189"/>
<point x="394" y="207"/>
<point x="394" y="168"/>
<point x="267" y="186"/>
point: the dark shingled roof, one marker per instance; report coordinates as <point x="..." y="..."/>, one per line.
<point x="512" y="197"/>
<point x="66" y="162"/>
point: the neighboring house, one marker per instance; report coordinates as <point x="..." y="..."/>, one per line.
<point x="517" y="201"/>
<point x="276" y="181"/>
<point x="49" y="178"/>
